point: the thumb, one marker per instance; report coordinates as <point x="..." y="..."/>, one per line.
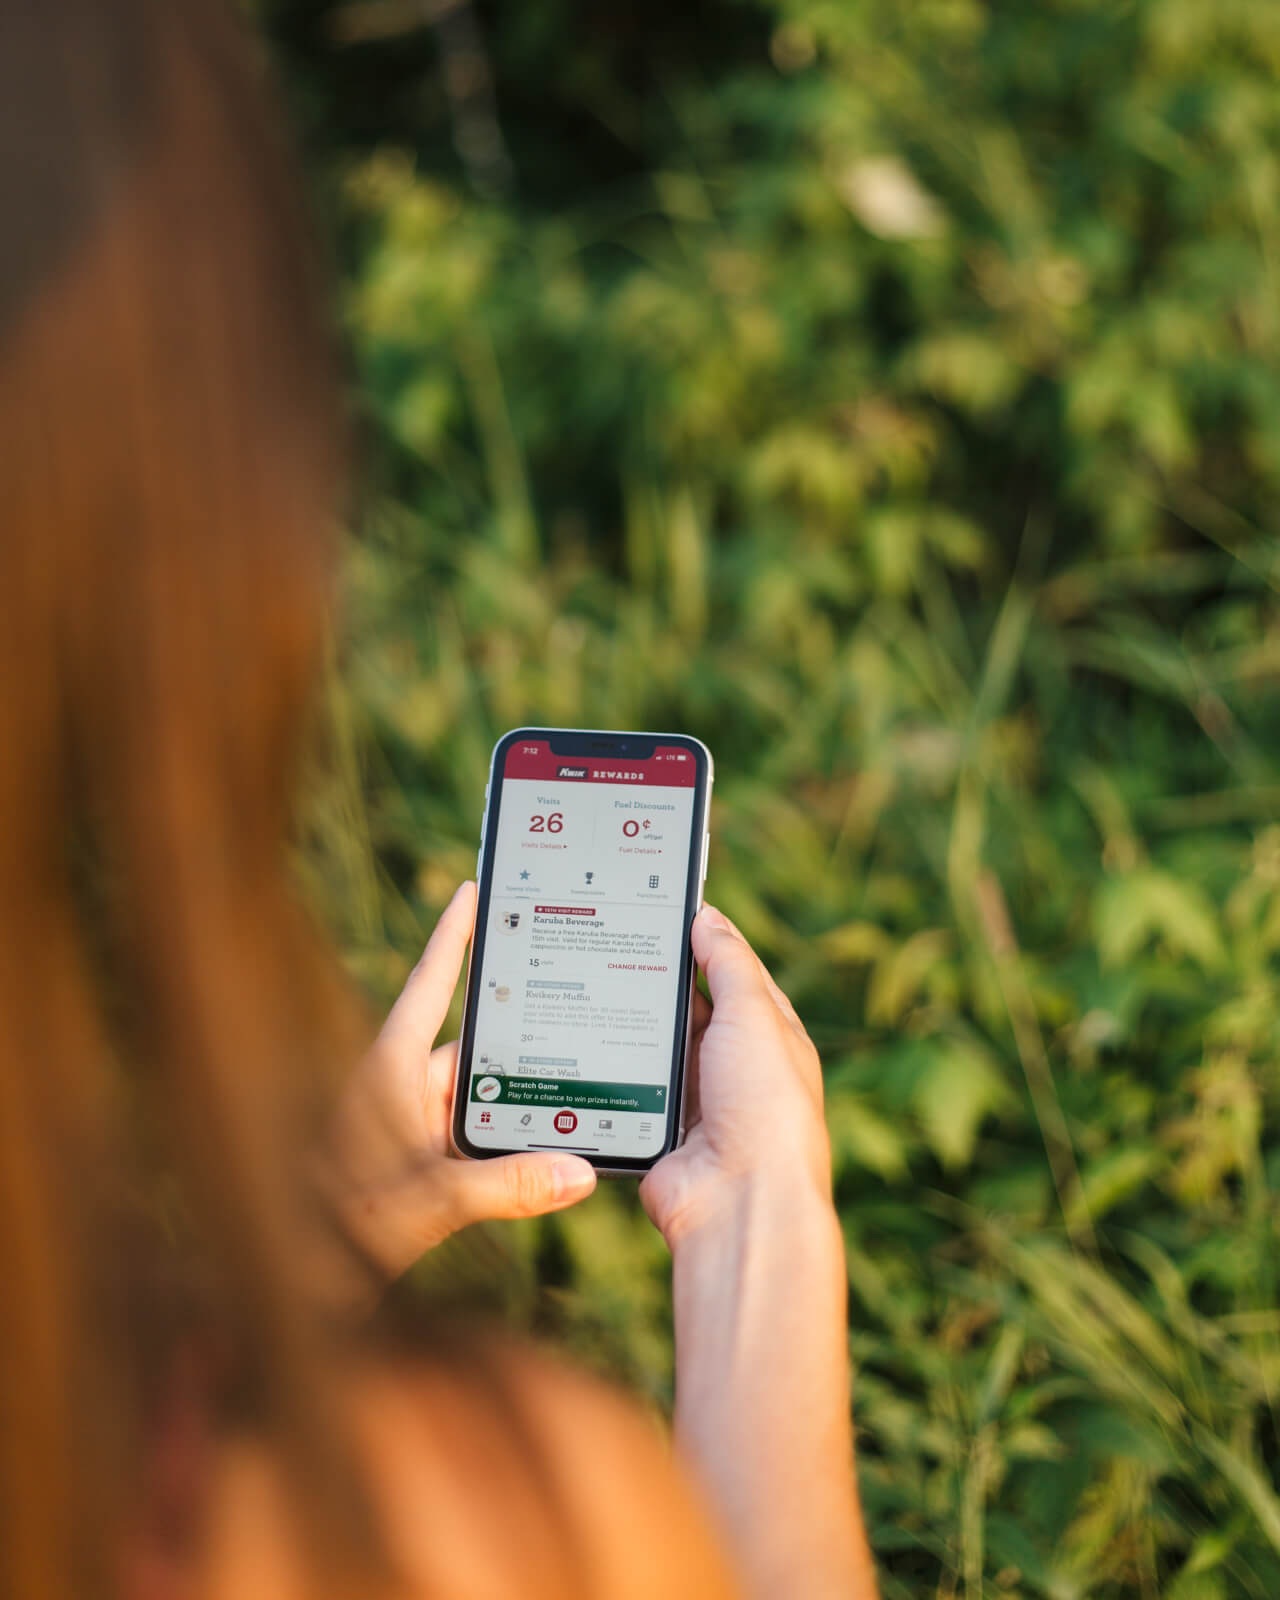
<point x="524" y="1185"/>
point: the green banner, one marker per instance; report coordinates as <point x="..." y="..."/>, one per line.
<point x="568" y="1092"/>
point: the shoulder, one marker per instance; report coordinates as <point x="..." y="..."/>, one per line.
<point x="503" y="1472"/>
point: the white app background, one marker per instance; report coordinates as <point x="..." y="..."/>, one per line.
<point x="576" y="1007"/>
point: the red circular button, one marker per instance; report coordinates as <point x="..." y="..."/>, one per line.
<point x="566" y="1121"/>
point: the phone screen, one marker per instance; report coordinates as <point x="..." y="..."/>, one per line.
<point x="578" y="996"/>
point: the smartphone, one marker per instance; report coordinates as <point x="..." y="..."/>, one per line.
<point x="579" y="991"/>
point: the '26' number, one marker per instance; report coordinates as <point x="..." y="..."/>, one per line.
<point x="552" y="824"/>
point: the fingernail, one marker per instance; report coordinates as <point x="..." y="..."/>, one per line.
<point x="570" y="1179"/>
<point x="714" y="918"/>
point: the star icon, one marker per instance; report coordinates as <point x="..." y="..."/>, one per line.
<point x="524" y="877"/>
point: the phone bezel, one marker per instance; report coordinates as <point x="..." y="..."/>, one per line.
<point x="604" y="743"/>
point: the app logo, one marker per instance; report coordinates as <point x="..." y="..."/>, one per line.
<point x="566" y="1121"/>
<point x="488" y="1089"/>
<point x="571" y="772"/>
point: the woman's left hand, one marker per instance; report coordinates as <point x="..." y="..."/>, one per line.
<point x="398" y="1189"/>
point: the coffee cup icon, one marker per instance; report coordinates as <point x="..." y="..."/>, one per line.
<point x="502" y="993"/>
<point x="510" y="921"/>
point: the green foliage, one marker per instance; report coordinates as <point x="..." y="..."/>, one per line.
<point x="887" y="394"/>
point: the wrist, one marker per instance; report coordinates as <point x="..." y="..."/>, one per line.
<point x="786" y="1201"/>
<point x="762" y="1380"/>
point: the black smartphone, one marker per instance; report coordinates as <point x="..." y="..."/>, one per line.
<point x="580" y="984"/>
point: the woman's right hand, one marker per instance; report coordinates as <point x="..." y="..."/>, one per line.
<point x="759" y="1288"/>
<point x="753" y="1095"/>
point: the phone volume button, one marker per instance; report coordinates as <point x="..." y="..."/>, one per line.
<point x="706" y="853"/>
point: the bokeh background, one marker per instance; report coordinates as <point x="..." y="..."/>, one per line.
<point x="885" y="391"/>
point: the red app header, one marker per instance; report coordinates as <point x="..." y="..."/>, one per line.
<point x="670" y="766"/>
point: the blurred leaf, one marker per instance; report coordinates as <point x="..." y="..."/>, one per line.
<point x="958" y="1089"/>
<point x="860" y="1137"/>
<point x="1133" y="909"/>
<point x="1110" y="1181"/>
<point x="900" y="973"/>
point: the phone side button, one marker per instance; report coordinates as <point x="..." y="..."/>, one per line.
<point x="706" y="853"/>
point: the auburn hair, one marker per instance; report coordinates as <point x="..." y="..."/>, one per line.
<point x="172" y="462"/>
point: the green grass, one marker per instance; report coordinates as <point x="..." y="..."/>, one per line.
<point x="894" y="405"/>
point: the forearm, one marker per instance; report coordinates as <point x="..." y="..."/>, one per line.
<point x="762" y="1390"/>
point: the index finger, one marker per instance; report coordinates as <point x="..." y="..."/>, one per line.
<point x="734" y="973"/>
<point x="741" y="969"/>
